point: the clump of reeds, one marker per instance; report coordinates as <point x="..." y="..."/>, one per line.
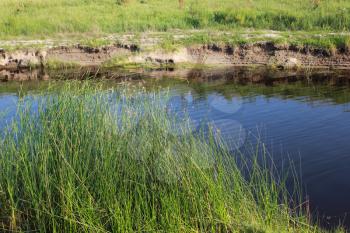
<point x="87" y="159"/>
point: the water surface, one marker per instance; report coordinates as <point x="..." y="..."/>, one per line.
<point x="305" y="119"/>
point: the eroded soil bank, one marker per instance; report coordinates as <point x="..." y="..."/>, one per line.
<point x="259" y="53"/>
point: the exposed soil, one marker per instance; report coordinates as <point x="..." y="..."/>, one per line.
<point x="261" y="53"/>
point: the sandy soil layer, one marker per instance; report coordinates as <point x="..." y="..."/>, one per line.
<point x="262" y="53"/>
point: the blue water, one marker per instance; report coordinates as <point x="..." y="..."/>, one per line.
<point x="304" y="122"/>
<point x="311" y="131"/>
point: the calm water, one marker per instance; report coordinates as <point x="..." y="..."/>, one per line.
<point x="303" y="120"/>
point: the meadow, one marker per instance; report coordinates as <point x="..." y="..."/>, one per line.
<point x="46" y="18"/>
<point x="83" y="158"/>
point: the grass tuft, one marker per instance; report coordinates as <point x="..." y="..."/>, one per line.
<point x="86" y="159"/>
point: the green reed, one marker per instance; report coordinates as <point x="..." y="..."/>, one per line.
<point x="84" y="158"/>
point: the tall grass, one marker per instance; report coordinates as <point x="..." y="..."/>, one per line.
<point x="87" y="159"/>
<point x="46" y="17"/>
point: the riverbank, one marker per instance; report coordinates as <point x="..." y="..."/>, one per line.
<point x="182" y="49"/>
<point x="160" y="33"/>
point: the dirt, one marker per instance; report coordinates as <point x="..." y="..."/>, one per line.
<point x="260" y="53"/>
<point x="87" y="56"/>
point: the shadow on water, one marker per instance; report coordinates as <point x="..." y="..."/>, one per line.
<point x="301" y="116"/>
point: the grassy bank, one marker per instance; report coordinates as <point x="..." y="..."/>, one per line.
<point x="312" y="23"/>
<point x="45" y="17"/>
<point x="93" y="160"/>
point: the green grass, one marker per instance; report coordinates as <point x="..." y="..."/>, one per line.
<point x="329" y="42"/>
<point x="43" y="18"/>
<point x="303" y="23"/>
<point x="60" y="65"/>
<point x="91" y="159"/>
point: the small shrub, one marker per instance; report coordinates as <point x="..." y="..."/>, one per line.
<point x="181" y="4"/>
<point x="226" y="18"/>
<point x="168" y="44"/>
<point x="195" y="17"/>
<point x="347" y="45"/>
<point x="315" y="3"/>
<point x="121" y="2"/>
<point x="332" y="50"/>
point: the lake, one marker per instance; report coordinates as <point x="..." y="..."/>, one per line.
<point x="302" y="118"/>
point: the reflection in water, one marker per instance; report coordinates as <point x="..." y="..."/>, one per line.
<point x="299" y="116"/>
<point x="229" y="106"/>
<point x="7" y="108"/>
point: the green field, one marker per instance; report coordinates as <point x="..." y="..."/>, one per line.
<point x="44" y="18"/>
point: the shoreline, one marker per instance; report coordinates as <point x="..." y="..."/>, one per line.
<point x="184" y="49"/>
